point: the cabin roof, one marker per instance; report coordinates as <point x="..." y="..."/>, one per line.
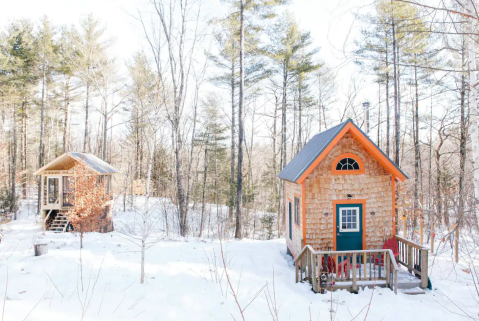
<point x="320" y="145"/>
<point x="69" y="159"/>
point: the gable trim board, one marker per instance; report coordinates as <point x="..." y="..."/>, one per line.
<point x="321" y="144"/>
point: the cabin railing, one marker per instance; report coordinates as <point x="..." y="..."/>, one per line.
<point x="48" y="215"/>
<point x="359" y="268"/>
<point x="415" y="258"/>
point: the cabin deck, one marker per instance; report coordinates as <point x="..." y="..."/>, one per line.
<point x="406" y="270"/>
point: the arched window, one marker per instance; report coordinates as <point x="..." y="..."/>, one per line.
<point x="347" y="164"/>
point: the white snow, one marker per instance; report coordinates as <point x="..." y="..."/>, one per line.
<point x="186" y="281"/>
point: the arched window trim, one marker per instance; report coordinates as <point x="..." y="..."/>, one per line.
<point x="350" y="171"/>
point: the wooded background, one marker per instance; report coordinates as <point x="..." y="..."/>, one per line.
<point x="209" y="110"/>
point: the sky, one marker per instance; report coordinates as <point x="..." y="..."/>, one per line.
<point x="331" y="23"/>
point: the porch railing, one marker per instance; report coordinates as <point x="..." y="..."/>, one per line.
<point x="415" y="258"/>
<point x="361" y="268"/>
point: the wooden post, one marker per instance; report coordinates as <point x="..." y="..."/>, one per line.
<point x="404" y="226"/>
<point x="304" y="275"/>
<point x="320" y="265"/>
<point x="387" y="264"/>
<point x="424" y="268"/>
<point x="354" y="263"/>
<point x="409" y="257"/>
<point x="296" y="267"/>
<point x="337" y="265"/>
<point x="365" y="266"/>
<point x="310" y="267"/>
<point x="313" y="281"/>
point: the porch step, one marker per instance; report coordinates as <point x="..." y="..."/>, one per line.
<point x="59" y="224"/>
<point x="414" y="291"/>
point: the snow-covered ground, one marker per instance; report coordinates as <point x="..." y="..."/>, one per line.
<point x="186" y="281"/>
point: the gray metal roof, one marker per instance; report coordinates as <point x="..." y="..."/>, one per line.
<point x="94" y="162"/>
<point x="306" y="156"/>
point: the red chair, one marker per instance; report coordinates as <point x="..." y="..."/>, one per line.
<point x="331" y="264"/>
<point x="392" y="245"/>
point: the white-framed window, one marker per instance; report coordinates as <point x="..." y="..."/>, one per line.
<point x="349" y="219"/>
<point x="53" y="189"/>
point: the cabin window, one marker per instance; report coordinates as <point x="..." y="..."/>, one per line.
<point x="347" y="164"/>
<point x="53" y="186"/>
<point x="290" y="220"/>
<point x="67" y="191"/>
<point x="349" y="219"/>
<point x="296" y="210"/>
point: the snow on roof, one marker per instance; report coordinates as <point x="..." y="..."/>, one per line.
<point x="94" y="162"/>
<point x="67" y="161"/>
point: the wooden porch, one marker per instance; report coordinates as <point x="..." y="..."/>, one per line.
<point x="352" y="270"/>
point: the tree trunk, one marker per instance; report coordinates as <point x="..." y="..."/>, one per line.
<point x="105" y="133"/>
<point x="13" y="192"/>
<point x="439" y="178"/>
<point x="398" y="113"/>
<point x="239" y="190"/>
<point x="205" y="171"/>
<point x="300" y="128"/>
<point x="473" y="109"/>
<point x="388" y="116"/>
<point x="66" y="132"/>
<point x="24" y="148"/>
<point x="276" y="193"/>
<point x="233" y="156"/>
<point x="42" y="133"/>
<point x="417" y="155"/>
<point x="86" y="143"/>
<point x="462" y="163"/>
<point x="144" y="232"/>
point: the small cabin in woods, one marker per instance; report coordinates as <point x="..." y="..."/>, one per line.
<point x="56" y="194"/>
<point x="339" y="194"/>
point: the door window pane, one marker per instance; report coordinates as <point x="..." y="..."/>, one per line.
<point x="349" y="220"/>
<point x="52" y="190"/>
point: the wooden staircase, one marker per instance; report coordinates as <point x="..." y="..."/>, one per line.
<point x="60" y="223"/>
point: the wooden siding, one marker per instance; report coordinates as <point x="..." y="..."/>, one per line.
<point x="290" y="189"/>
<point x="322" y="187"/>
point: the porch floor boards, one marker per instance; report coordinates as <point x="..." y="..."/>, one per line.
<point x="406" y="280"/>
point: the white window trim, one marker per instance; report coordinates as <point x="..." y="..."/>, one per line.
<point x="48" y="188"/>
<point x="341" y="219"/>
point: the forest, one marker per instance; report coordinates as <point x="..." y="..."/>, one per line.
<point x="210" y="109"/>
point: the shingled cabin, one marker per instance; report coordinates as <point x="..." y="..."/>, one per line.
<point x="339" y="194"/>
<point x="56" y="195"/>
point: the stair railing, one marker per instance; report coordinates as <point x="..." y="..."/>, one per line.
<point x="415" y="258"/>
<point x="57" y="201"/>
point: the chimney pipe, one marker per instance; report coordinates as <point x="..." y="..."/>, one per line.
<point x="366" y="117"/>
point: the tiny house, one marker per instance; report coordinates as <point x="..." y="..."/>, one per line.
<point x="340" y="192"/>
<point x="339" y="198"/>
<point x="56" y="195"/>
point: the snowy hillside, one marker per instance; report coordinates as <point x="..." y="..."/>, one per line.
<point x="186" y="281"/>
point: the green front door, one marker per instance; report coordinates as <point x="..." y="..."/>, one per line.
<point x="349" y="229"/>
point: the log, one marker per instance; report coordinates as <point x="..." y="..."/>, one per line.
<point x="40" y="249"/>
